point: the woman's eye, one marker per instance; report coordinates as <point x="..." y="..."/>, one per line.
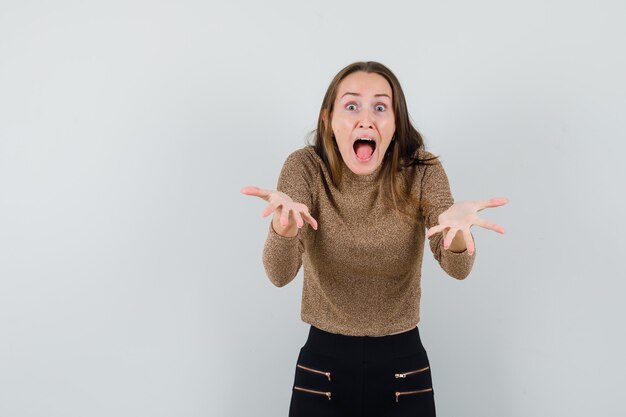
<point x="351" y="107"/>
<point x="380" y="107"/>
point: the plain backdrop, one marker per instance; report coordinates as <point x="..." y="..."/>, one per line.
<point x="131" y="281"/>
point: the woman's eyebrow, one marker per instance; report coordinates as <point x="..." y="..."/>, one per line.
<point x="375" y="95"/>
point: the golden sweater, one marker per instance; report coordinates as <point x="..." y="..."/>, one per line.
<point x="362" y="266"/>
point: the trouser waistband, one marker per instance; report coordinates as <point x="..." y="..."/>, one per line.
<point x="363" y="348"/>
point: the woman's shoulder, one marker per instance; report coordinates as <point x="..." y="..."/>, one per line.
<point x="423" y="154"/>
<point x="304" y="159"/>
<point x="305" y="156"/>
<point x="306" y="152"/>
<point x="420" y="160"/>
<point x="427" y="159"/>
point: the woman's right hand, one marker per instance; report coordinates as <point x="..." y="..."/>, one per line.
<point x="282" y="205"/>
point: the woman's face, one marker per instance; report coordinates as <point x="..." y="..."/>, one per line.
<point x="363" y="121"/>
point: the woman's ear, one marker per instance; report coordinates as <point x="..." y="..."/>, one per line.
<point x="325" y="117"/>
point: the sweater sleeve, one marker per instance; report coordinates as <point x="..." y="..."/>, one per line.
<point x="282" y="256"/>
<point x="435" y="199"/>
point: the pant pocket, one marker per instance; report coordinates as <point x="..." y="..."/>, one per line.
<point x="314" y="374"/>
<point x="411" y="378"/>
<point x="314" y="388"/>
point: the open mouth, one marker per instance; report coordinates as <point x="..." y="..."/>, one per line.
<point x="364" y="148"/>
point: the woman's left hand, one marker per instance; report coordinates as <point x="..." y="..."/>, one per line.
<point x="463" y="215"/>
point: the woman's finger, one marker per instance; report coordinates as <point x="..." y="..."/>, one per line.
<point x="490" y="225"/>
<point x="284" y="217"/>
<point x="268" y="210"/>
<point x="447" y="241"/>
<point x="469" y="241"/>
<point x="256" y="191"/>
<point x="493" y="202"/>
<point x="298" y="217"/>
<point x="434" y="229"/>
<point x="309" y="219"/>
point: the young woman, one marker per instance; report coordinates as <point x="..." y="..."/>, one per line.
<point x="353" y="208"/>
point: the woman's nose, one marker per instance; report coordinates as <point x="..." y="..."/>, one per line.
<point x="366" y="121"/>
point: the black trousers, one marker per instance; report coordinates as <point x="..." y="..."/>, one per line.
<point x="362" y="376"/>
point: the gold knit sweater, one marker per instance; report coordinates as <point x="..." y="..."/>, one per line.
<point x="362" y="266"/>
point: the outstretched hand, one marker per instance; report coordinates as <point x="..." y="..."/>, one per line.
<point x="461" y="216"/>
<point x="282" y="206"/>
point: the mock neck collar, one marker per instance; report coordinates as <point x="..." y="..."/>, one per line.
<point x="351" y="177"/>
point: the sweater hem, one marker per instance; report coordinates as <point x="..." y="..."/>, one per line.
<point x="351" y="331"/>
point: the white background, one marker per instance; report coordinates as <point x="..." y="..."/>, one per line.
<point x="131" y="281"/>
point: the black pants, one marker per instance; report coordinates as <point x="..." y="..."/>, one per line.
<point x="362" y="376"/>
